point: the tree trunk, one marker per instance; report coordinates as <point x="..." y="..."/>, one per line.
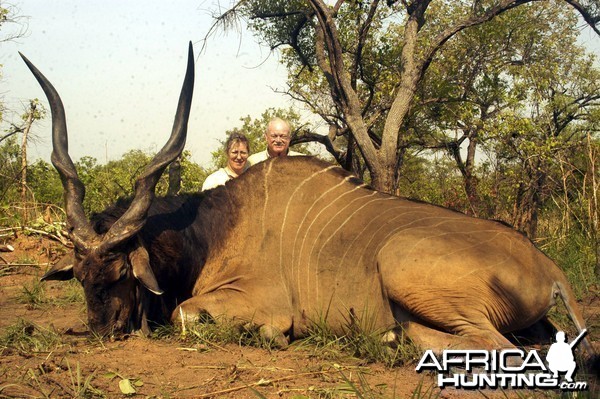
<point x="28" y="122"/>
<point x="529" y="201"/>
<point x="536" y="202"/>
<point x="383" y="175"/>
<point x="471" y="181"/>
<point x="174" y="177"/>
<point x="466" y="169"/>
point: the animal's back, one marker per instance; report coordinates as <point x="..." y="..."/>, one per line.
<point x="312" y="243"/>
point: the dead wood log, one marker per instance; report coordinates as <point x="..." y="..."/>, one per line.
<point x="6" y="248"/>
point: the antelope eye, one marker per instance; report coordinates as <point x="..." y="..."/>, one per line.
<point x="79" y="254"/>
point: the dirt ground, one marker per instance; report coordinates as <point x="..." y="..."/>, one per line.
<point x="81" y="365"/>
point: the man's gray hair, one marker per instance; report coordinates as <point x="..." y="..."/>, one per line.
<point x="278" y="120"/>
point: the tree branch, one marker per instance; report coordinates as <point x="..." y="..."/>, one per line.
<point x="308" y="137"/>
<point x="362" y="38"/>
<point x="591" y="20"/>
<point x="340" y="81"/>
<point x="447" y="34"/>
<point x="16" y="130"/>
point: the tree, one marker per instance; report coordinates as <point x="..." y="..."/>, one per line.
<point x="487" y="80"/>
<point x="34" y="112"/>
<point x="14" y="185"/>
<point x="372" y="58"/>
<point x="192" y="174"/>
<point x="10" y="170"/>
<point x="12" y="24"/>
<point x="44" y="182"/>
<point x="590" y="12"/>
<point x="549" y="130"/>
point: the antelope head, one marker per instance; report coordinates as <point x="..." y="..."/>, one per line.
<point x="113" y="267"/>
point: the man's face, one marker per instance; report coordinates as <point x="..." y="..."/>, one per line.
<point x="278" y="139"/>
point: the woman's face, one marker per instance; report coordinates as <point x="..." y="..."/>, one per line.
<point x="237" y="157"/>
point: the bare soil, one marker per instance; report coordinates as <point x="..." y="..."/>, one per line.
<point x="82" y="365"/>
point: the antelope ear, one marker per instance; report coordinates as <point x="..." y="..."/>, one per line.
<point x="62" y="270"/>
<point x="140" y="263"/>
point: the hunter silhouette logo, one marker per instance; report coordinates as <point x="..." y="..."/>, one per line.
<point x="508" y="368"/>
<point x="560" y="355"/>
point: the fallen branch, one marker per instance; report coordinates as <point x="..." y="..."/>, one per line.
<point x="14" y="268"/>
<point x="6" y="248"/>
<point x="25" y="264"/>
<point x="56" y="237"/>
<point x="209" y="367"/>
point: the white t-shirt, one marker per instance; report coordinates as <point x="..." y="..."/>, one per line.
<point x="218" y="178"/>
<point x="264" y="155"/>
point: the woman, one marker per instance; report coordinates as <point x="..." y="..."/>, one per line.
<point x="237" y="149"/>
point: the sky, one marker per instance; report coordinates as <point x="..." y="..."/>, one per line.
<point x="119" y="65"/>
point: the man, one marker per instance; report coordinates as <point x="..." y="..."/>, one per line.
<point x="560" y="356"/>
<point x="277" y="136"/>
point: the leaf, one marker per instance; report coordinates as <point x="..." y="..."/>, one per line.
<point x="110" y="375"/>
<point x="126" y="387"/>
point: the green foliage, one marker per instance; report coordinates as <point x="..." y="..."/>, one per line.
<point x="106" y="183"/>
<point x="575" y="255"/>
<point x="10" y="169"/>
<point x="278" y="32"/>
<point x="432" y="180"/>
<point x="192" y="174"/>
<point x="421" y="391"/>
<point x="34" y="294"/>
<point x="359" y="340"/>
<point x="12" y="25"/>
<point x="127" y="386"/>
<point x="103" y="183"/>
<point x="517" y="91"/>
<point x="44" y="182"/>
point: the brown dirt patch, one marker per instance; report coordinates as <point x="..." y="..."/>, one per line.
<point x="80" y="365"/>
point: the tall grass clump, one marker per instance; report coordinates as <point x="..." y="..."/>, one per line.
<point x="209" y="333"/>
<point x="359" y="338"/>
<point x="575" y="256"/>
<point x="26" y="337"/>
<point x="33" y="294"/>
<point x="72" y="293"/>
<point x="81" y="385"/>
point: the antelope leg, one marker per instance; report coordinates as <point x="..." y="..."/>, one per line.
<point x="237" y="307"/>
